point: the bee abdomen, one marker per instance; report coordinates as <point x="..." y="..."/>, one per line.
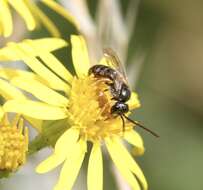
<point x="103" y="71"/>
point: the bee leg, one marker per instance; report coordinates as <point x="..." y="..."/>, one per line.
<point x="102" y="80"/>
<point x="106" y="81"/>
<point x="113" y="98"/>
<point x="109" y="83"/>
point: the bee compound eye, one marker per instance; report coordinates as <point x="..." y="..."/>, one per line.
<point x="126" y="108"/>
<point x="125" y="94"/>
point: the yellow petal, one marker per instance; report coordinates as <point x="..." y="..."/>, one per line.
<point x="1" y="29"/>
<point x="33" y="49"/>
<point x="40" y="91"/>
<point x="107" y="62"/>
<point x="51" y="61"/>
<point x="129" y="162"/>
<point x="46" y="44"/>
<point x="10" y="92"/>
<point x="43" y="18"/>
<point x="103" y="61"/>
<point x="63" y="12"/>
<point x="6" y="19"/>
<point x="50" y="163"/>
<point x="80" y="55"/>
<point x="7" y="54"/>
<point x="95" y="169"/>
<point x="8" y="73"/>
<point x="34" y="109"/>
<point x="1" y="113"/>
<point x="135" y="139"/>
<point x="134" y="101"/>
<point x="71" y="167"/>
<point x="54" y="64"/>
<point x="23" y="10"/>
<point x="120" y="164"/>
<point x="22" y="50"/>
<point x="64" y="146"/>
<point x="66" y="142"/>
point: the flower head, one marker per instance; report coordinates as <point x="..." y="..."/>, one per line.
<point x="31" y="14"/>
<point x="86" y="104"/>
<point x="13" y="143"/>
<point x="95" y="119"/>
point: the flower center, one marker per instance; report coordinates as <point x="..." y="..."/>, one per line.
<point x="13" y="147"/>
<point x="90" y="109"/>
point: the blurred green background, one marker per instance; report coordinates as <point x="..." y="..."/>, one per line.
<point x="171" y="92"/>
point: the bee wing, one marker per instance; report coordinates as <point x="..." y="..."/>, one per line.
<point x="113" y="60"/>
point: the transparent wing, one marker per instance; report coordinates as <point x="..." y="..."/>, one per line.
<point x="113" y="61"/>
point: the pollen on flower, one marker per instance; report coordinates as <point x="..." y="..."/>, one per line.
<point x="90" y="110"/>
<point x="13" y="145"/>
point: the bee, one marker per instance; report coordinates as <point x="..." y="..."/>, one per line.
<point x="116" y="79"/>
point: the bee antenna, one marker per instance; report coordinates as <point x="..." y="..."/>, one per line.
<point x="141" y="126"/>
<point x="123" y="122"/>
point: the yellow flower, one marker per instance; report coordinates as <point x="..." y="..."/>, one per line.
<point x="13" y="143"/>
<point x="45" y="46"/>
<point x="13" y="135"/>
<point x="86" y="104"/>
<point x="31" y="14"/>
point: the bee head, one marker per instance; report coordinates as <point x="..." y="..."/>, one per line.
<point x="119" y="108"/>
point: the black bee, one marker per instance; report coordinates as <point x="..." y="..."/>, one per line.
<point x="116" y="79"/>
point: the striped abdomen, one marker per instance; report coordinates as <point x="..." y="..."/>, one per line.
<point x="103" y="71"/>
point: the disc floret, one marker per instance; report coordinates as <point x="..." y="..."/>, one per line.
<point x="13" y="145"/>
